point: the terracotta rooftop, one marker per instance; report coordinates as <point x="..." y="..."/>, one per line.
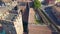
<point x="24" y="0"/>
<point x="6" y="0"/>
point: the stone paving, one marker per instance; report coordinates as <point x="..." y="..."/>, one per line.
<point x="34" y="29"/>
<point x="31" y="16"/>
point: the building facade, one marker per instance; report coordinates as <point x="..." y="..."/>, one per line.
<point x="11" y="19"/>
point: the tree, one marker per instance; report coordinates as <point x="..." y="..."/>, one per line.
<point x="37" y="4"/>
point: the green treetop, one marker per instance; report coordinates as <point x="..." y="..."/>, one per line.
<point x="37" y="4"/>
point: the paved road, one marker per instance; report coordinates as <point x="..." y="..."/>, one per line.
<point x="37" y="29"/>
<point x="32" y="16"/>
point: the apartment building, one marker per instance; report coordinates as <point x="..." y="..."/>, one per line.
<point x="11" y="19"/>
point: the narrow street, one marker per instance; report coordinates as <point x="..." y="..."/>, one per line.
<point x="31" y="19"/>
<point x="37" y="29"/>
